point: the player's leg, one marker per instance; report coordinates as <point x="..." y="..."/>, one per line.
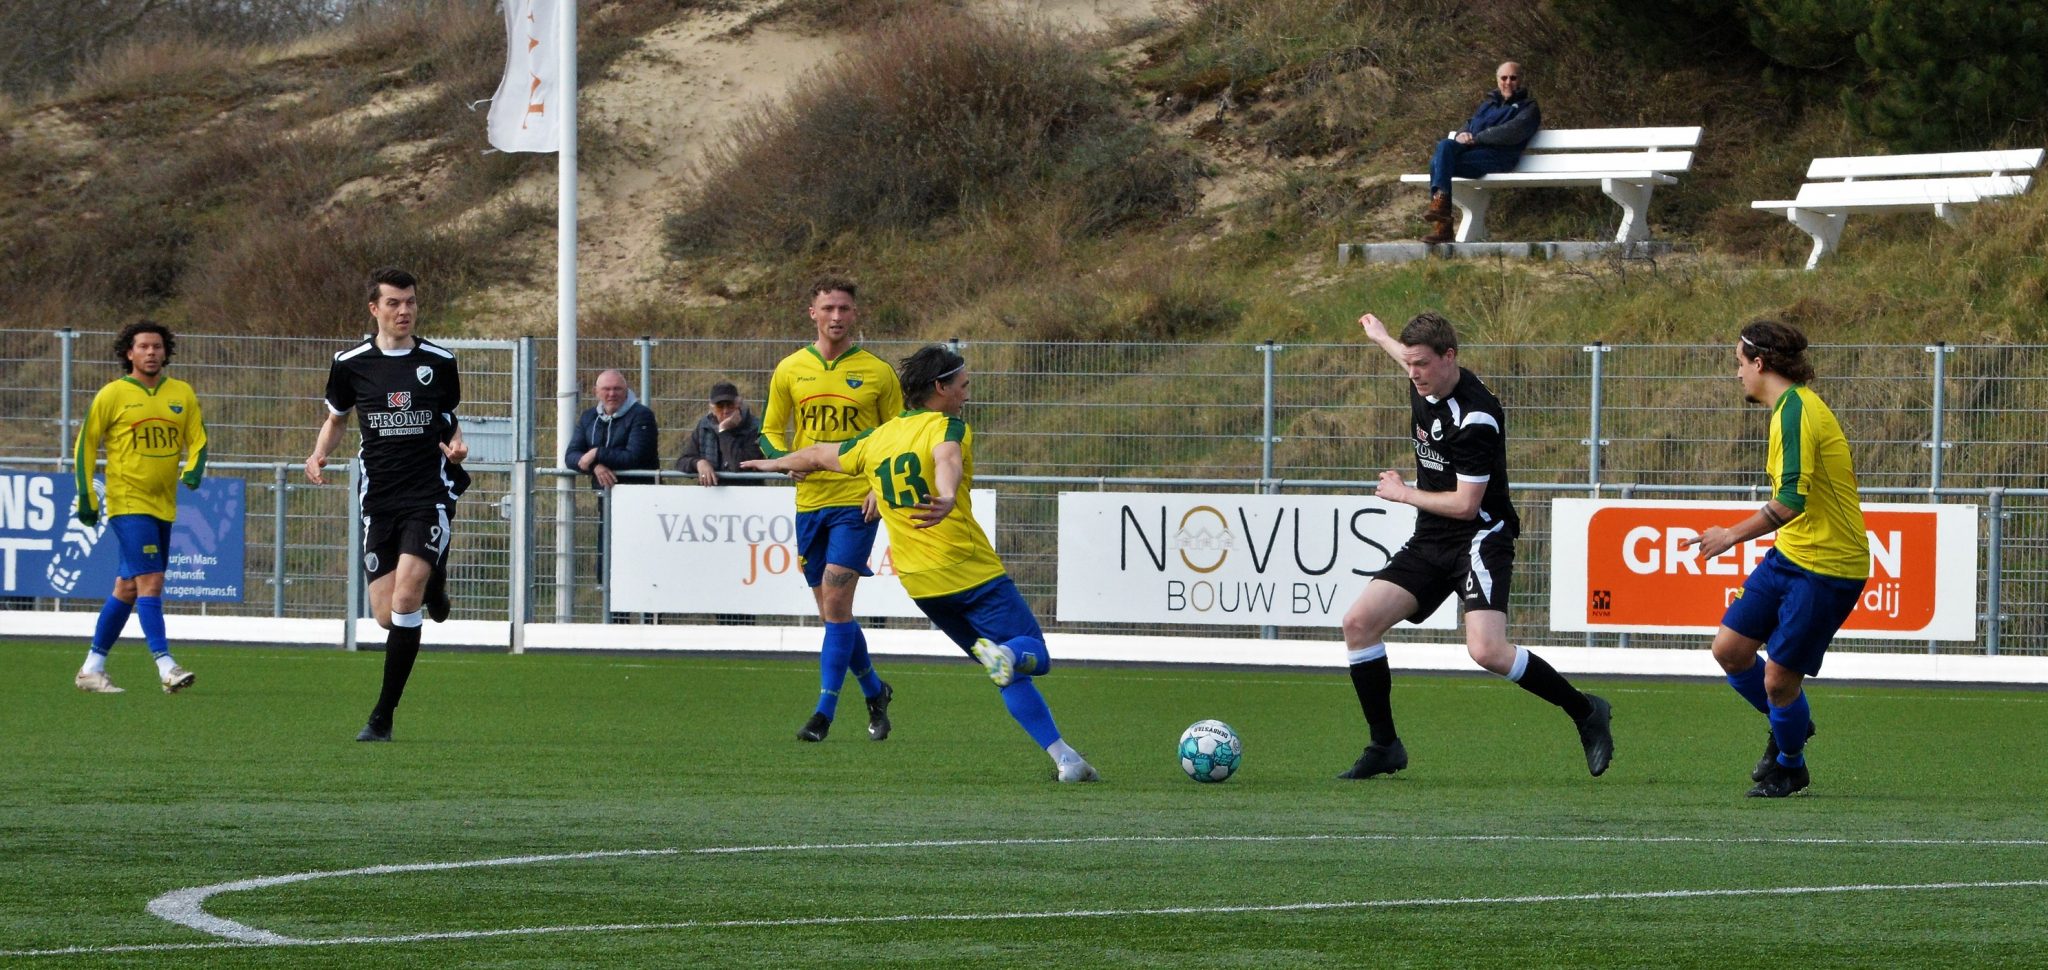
<point x="400" y="552"/>
<point x="1812" y="612"/>
<point x="1748" y="622"/>
<point x="149" y="608"/>
<point x="1485" y="577"/>
<point x="1408" y="587"/>
<point x="92" y="675"/>
<point x="835" y="545"/>
<point x="994" y="619"/>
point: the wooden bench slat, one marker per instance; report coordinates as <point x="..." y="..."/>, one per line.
<point x="1580" y="139"/>
<point x="1928" y="191"/>
<point x="1945" y="163"/>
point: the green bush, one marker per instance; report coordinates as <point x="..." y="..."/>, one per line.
<point x="931" y="116"/>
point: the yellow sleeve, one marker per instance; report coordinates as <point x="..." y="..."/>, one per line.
<point x="892" y="396"/>
<point x="87" y="450"/>
<point x="775" y="420"/>
<point x="195" y="447"/>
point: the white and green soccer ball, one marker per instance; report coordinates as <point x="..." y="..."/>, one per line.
<point x="1210" y="751"/>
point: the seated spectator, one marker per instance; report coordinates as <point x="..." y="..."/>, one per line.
<point x="617" y="435"/>
<point x="724" y="437"/>
<point x="1491" y="142"/>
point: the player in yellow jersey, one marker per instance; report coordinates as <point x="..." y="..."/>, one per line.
<point x="829" y="392"/>
<point x="922" y="465"/>
<point x="1804" y="589"/>
<point x="148" y="421"/>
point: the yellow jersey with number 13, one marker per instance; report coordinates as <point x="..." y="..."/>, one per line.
<point x="896" y="461"/>
<point x="812" y="400"/>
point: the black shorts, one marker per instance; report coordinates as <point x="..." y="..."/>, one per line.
<point x="420" y="532"/>
<point x="1480" y="570"/>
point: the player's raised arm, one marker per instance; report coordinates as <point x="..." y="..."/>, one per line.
<point x="823" y="456"/>
<point x="1376" y="331"/>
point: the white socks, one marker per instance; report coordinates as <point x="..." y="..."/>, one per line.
<point x="1061" y="751"/>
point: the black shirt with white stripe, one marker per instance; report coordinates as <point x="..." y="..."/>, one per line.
<point x="405" y="407"/>
<point x="1462" y="437"/>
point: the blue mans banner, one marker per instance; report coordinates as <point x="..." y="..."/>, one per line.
<point x="45" y="551"/>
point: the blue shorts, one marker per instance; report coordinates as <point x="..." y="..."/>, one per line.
<point x="837" y="536"/>
<point x="145" y="544"/>
<point x="1794" y="611"/>
<point x="994" y="610"/>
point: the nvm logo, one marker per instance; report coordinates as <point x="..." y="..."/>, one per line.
<point x="1602" y="600"/>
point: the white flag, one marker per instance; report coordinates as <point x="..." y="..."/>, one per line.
<point x="525" y="116"/>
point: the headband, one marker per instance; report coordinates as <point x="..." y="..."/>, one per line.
<point x="956" y="370"/>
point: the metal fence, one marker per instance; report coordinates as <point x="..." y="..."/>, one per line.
<point x="1959" y="423"/>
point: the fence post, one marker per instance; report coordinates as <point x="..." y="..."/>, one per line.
<point x="1593" y="440"/>
<point x="519" y="602"/>
<point x="646" y="345"/>
<point x="355" y="555"/>
<point x="1938" y="442"/>
<point x="1994" y="569"/>
<point x="65" y="339"/>
<point x="277" y="508"/>
<point x="1269" y="350"/>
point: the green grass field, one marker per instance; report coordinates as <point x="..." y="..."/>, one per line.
<point x="1921" y="843"/>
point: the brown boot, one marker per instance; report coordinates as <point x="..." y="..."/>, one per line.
<point x="1439" y="207"/>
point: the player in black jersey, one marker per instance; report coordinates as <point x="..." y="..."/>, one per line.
<point x="404" y="391"/>
<point x="1464" y="543"/>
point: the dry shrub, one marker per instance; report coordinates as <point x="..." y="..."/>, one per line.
<point x="149" y="67"/>
<point x="933" y="115"/>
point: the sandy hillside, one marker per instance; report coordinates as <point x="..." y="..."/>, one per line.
<point x="678" y="94"/>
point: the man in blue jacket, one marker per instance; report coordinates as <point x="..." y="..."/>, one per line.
<point x="617" y="435"/>
<point x="1491" y="142"/>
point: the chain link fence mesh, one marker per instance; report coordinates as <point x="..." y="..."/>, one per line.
<point x="1082" y="412"/>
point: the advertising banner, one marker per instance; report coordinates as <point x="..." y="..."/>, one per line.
<point x="732" y="549"/>
<point x="46" y="551"/>
<point x="1617" y="565"/>
<point x="1280" y="560"/>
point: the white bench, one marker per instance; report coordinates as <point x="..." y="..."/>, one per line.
<point x="1626" y="164"/>
<point x="1895" y="183"/>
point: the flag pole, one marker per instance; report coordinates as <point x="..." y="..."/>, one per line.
<point x="565" y="308"/>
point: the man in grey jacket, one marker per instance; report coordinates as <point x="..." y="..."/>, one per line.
<point x="1491" y="142"/>
<point x="617" y="435"/>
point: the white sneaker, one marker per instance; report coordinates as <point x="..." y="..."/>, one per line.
<point x="1078" y="770"/>
<point x="95" y="683"/>
<point x="1001" y="663"/>
<point x="177" y="678"/>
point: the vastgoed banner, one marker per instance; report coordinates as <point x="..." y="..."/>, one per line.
<point x="45" y="551"/>
<point x="1617" y="565"/>
<point x="1281" y="560"/>
<point x="732" y="549"/>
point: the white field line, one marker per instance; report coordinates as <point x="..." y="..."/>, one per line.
<point x="186" y="907"/>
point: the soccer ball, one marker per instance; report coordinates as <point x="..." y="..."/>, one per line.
<point x="1210" y="751"/>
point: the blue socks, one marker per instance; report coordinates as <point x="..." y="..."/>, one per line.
<point x="1027" y="705"/>
<point x="1789" y="724"/>
<point x="833" y="659"/>
<point x="149" y="611"/>
<point x="1750" y="684"/>
<point x="113" y="619"/>
<point x="863" y="668"/>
